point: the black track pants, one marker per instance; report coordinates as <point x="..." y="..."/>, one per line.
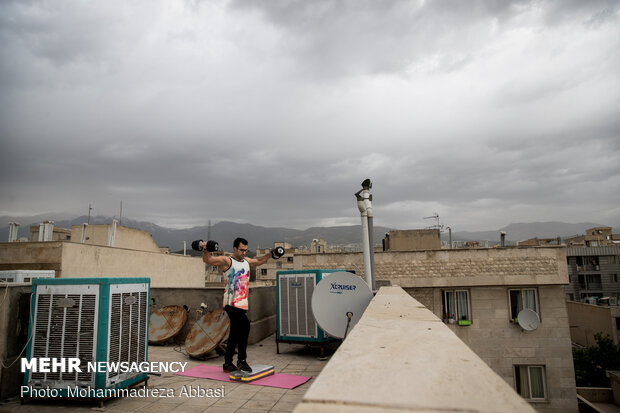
<point x="239" y="332"/>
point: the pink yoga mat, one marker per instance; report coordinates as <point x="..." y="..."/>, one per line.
<point x="283" y="381"/>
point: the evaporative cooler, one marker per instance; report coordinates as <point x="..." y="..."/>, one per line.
<point x="93" y="319"/>
<point x="295" y="322"/>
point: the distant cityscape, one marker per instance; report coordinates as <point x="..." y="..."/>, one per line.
<point x="346" y="237"/>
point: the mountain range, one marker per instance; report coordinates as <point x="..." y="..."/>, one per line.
<point x="264" y="237"/>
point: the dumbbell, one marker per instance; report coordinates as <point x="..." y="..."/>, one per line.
<point x="277" y="252"/>
<point x="211" y="246"/>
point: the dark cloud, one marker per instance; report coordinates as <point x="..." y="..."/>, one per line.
<point x="487" y="112"/>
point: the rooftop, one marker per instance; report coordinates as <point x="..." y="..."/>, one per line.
<point x="294" y="359"/>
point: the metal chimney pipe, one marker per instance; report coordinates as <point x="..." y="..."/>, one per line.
<point x="449" y="238"/>
<point x="13" y="229"/>
<point x="41" y="231"/>
<point x="48" y="230"/>
<point x="112" y="235"/>
<point x="502" y="238"/>
<point x="84" y="225"/>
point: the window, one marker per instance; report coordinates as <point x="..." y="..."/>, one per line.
<point x="530" y="382"/>
<point x="263" y="271"/>
<point x="590" y="282"/>
<point x="289" y="259"/>
<point x="615" y="278"/>
<point x="456" y="307"/>
<point x="521" y="298"/>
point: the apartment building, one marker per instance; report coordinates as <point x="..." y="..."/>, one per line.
<point x="291" y="260"/>
<point x="267" y="272"/>
<point x="594" y="273"/>
<point x="594" y="237"/>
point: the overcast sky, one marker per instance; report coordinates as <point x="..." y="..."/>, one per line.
<point x="273" y="112"/>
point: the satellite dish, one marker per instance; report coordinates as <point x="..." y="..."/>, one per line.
<point x="338" y="302"/>
<point x="528" y="319"/>
<point x="207" y="333"/>
<point x="166" y="323"/>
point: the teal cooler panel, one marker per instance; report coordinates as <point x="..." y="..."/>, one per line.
<point x="124" y="300"/>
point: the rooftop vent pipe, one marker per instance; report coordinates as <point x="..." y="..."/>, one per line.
<point x="502" y="236"/>
<point x="364" y="204"/>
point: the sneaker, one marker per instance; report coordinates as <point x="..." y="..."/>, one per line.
<point x="229" y="368"/>
<point x="242" y="365"/>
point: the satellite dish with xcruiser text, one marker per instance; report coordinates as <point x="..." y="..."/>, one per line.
<point x="338" y="302"/>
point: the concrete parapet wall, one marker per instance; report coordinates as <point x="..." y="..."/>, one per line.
<point x="70" y="259"/>
<point x="165" y="270"/>
<point x="262" y="312"/>
<point x="401" y="357"/>
<point x="588" y="319"/>
<point x="596" y="394"/>
<point x="467" y="267"/>
<point x="31" y="256"/>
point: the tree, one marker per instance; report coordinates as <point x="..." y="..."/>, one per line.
<point x="592" y="362"/>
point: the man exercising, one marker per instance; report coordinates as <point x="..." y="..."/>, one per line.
<point x="236" y="271"/>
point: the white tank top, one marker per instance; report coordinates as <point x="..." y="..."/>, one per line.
<point x="237" y="287"/>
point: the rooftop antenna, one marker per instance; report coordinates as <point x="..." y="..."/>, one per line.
<point x="90" y="208"/>
<point x="437" y="225"/>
